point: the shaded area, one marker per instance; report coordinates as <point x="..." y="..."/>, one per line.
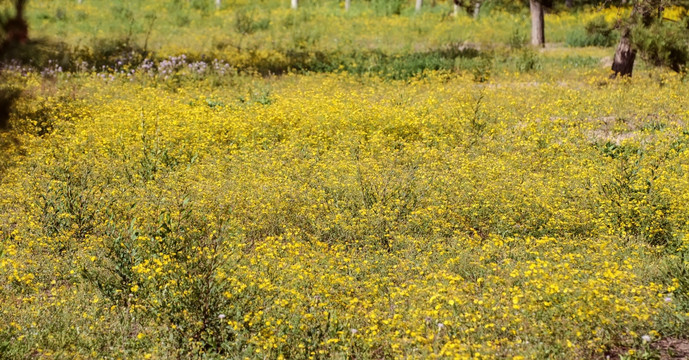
<point x="114" y="54"/>
<point x="15" y="32"/>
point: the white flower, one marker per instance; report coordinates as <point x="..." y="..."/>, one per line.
<point x="646" y="338"/>
<point x="221" y="316"/>
<point x="668" y="299"/>
<point x="354" y="331"/>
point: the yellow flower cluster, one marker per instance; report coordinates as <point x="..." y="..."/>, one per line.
<point x="320" y="216"/>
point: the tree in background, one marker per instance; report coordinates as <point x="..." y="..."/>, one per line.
<point x="15" y="32"/>
<point x="455" y="7"/>
<point x="477" y="9"/>
<point x="470" y="6"/>
<point x="659" y="41"/>
<point x="537" y="23"/>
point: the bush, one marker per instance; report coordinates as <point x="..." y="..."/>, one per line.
<point x="663" y="44"/>
<point x="526" y="61"/>
<point x="246" y="24"/>
<point x="631" y="202"/>
<point x="518" y="39"/>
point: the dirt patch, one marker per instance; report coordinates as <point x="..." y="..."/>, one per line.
<point x="664" y="349"/>
<point x="671" y="348"/>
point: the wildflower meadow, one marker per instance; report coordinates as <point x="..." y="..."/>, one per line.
<point x="243" y="180"/>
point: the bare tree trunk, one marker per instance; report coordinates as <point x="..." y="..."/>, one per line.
<point x="477" y="9"/>
<point x="625" y="54"/>
<point x="15" y="32"/>
<point x="348" y="3"/>
<point x="569" y="4"/>
<point x="419" y="4"/>
<point x="295" y="4"/>
<point x="217" y="4"/>
<point x="623" y="63"/>
<point x="16" y="29"/>
<point x="455" y="7"/>
<point x="537" y="23"/>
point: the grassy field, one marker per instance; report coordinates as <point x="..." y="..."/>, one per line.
<point x="269" y="38"/>
<point x="520" y="206"/>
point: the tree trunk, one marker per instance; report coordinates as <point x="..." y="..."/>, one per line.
<point x="625" y="54"/>
<point x="569" y="4"/>
<point x="16" y="32"/>
<point x="477" y="9"/>
<point x="623" y="63"/>
<point x="455" y="7"/>
<point x="217" y="4"/>
<point x="295" y="4"/>
<point x="537" y="23"/>
<point x="348" y="3"/>
<point x="419" y="4"/>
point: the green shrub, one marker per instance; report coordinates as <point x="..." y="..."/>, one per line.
<point x="518" y="39"/>
<point x="481" y="69"/>
<point x="663" y="44"/>
<point x="526" y="61"/>
<point x="633" y="205"/>
<point x="245" y="23"/>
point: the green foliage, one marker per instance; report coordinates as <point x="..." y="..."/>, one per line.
<point x="632" y="202"/>
<point x="111" y="272"/>
<point x="67" y="206"/>
<point x="397" y="66"/>
<point x="480" y="68"/>
<point x="597" y="32"/>
<point x="203" y="5"/>
<point x="518" y="39"/>
<point x="245" y="23"/>
<point x="526" y="60"/>
<point x="663" y="44"/>
<point x="388" y="7"/>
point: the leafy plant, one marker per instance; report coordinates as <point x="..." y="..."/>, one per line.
<point x="663" y="44"/>
<point x="633" y="205"/>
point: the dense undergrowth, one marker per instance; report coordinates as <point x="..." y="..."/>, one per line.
<point x="344" y="216"/>
<point x="461" y="197"/>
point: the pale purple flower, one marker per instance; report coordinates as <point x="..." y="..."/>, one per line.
<point x="52" y="70"/>
<point x="220" y="67"/>
<point x="198" y="68"/>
